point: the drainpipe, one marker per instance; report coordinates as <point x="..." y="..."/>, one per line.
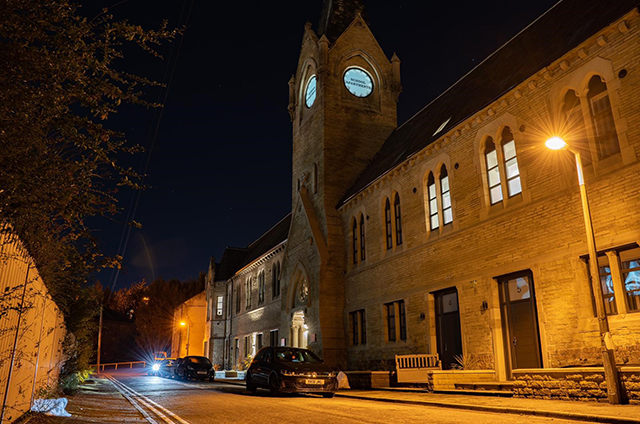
<point x="35" y="374"/>
<point x="15" y="346"/>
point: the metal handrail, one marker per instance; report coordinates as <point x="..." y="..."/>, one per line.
<point x="116" y="364"/>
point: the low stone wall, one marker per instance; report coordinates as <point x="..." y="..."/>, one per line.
<point x="447" y="379"/>
<point x="585" y="384"/>
<point x="363" y="380"/>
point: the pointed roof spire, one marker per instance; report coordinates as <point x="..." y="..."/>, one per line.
<point x="337" y="15"/>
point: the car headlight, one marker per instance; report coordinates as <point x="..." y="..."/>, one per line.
<point x="155" y="367"/>
<point x="287" y="373"/>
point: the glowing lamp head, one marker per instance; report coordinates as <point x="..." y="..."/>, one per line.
<point x="183" y="323"/>
<point x="156" y="367"/>
<point x="555" y="143"/>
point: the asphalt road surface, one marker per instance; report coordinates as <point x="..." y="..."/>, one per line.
<point x="166" y="401"/>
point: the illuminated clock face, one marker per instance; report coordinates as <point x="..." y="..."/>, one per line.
<point x="358" y="82"/>
<point x="310" y="93"/>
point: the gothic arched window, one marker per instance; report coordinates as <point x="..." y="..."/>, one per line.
<point x="574" y="125"/>
<point x="514" y="185"/>
<point x="445" y="193"/>
<point x="434" y="223"/>
<point x="398" y="217"/>
<point x="387" y="224"/>
<point x="604" y="127"/>
<point x="493" y="171"/>
<point x="354" y="241"/>
<point x="362" y="239"/>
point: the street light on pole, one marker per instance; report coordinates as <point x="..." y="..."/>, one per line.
<point x="188" y="334"/>
<point x="608" y="356"/>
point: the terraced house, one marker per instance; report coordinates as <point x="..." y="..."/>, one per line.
<point x="458" y="232"/>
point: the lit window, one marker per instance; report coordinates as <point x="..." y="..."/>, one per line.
<point x="447" y="211"/>
<point x="493" y="171"/>
<point x="630" y="269"/>
<point x="433" y="202"/>
<point x="606" y="284"/>
<point x="398" y="216"/>
<point x="604" y="127"/>
<point x="511" y="163"/>
<point x="310" y="92"/>
<point x="362" y="239"/>
<point x="220" y="305"/>
<point x="387" y="223"/>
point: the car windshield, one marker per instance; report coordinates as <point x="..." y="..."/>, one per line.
<point x="297" y="356"/>
<point x="199" y="360"/>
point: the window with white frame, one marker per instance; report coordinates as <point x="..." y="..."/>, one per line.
<point x="493" y="171"/>
<point x="219" y="306"/>
<point x="434" y="223"/>
<point x="447" y="211"/>
<point x="514" y="186"/>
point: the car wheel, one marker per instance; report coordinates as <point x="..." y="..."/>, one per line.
<point x="250" y="386"/>
<point x="274" y="385"/>
<point x="328" y="395"/>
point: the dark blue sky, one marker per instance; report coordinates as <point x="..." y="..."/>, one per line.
<point x="220" y="168"/>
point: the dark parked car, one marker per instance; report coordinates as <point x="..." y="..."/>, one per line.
<point x="174" y="371"/>
<point x="291" y="370"/>
<point x="166" y="368"/>
<point x="196" y="367"/>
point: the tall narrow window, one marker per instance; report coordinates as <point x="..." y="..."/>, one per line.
<point x="398" y="216"/>
<point x="403" y="320"/>
<point x="261" y="287"/>
<point x="604" y="127"/>
<point x="358" y="327"/>
<point x="354" y="241"/>
<point x="433" y="203"/>
<point x="630" y="268"/>
<point x="219" y="306"/>
<point x="248" y="293"/>
<point x="493" y="171"/>
<point x="387" y="223"/>
<point x="511" y="163"/>
<point x="447" y="212"/>
<point x="391" y="322"/>
<point x="363" y="254"/>
<point x="275" y="280"/>
<point x="238" y="299"/>
<point x="574" y="126"/>
<point x="278" y="276"/>
<point x="354" y="328"/>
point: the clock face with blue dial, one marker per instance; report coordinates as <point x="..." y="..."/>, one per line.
<point x="310" y="92"/>
<point x="358" y="82"/>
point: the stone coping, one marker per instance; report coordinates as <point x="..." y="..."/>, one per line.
<point x="621" y="368"/>
<point x="468" y="372"/>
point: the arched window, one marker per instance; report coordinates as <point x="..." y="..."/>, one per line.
<point x="493" y="171"/>
<point x="514" y="185"/>
<point x="261" y="287"/>
<point x="447" y="212"/>
<point x="362" y="239"/>
<point x="604" y="127"/>
<point x="248" y="293"/>
<point x="574" y="125"/>
<point x="387" y="223"/>
<point x="354" y="241"/>
<point x="398" y="216"/>
<point x="433" y="202"/>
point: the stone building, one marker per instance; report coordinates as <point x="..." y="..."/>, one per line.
<point x="458" y="232"/>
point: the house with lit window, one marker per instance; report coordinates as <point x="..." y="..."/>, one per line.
<point x="457" y="233"/>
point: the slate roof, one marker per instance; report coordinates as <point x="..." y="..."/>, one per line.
<point x="560" y="29"/>
<point x="266" y="242"/>
<point x="337" y="15"/>
<point x="230" y="262"/>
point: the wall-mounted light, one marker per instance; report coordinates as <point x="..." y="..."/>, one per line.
<point x="484" y="306"/>
<point x="473" y="284"/>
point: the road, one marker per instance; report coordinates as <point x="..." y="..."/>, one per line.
<point x="170" y="401"/>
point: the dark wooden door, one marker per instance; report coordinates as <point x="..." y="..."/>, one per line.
<point x="448" y="327"/>
<point x="520" y="321"/>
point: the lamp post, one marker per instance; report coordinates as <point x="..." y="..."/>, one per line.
<point x="188" y="334"/>
<point x="608" y="357"/>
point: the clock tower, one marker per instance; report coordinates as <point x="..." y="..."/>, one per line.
<point x="342" y="103"/>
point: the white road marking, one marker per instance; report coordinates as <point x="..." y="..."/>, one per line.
<point x="144" y="399"/>
<point x="134" y="403"/>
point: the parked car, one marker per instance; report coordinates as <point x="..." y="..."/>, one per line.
<point x="196" y="367"/>
<point x="176" y="364"/>
<point x="290" y="370"/>
<point x="166" y="368"/>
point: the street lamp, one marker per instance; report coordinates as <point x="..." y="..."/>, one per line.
<point x="182" y="323"/>
<point x="608" y="357"/>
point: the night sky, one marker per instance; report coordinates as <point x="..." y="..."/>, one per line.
<point x="220" y="166"/>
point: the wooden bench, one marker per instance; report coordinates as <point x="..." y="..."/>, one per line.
<point x="414" y="368"/>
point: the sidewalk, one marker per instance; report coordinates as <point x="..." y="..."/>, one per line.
<point x="94" y="403"/>
<point x="571" y="410"/>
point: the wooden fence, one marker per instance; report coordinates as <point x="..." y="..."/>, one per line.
<point x="31" y="330"/>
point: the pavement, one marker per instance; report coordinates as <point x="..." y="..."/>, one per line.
<point x="107" y="400"/>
